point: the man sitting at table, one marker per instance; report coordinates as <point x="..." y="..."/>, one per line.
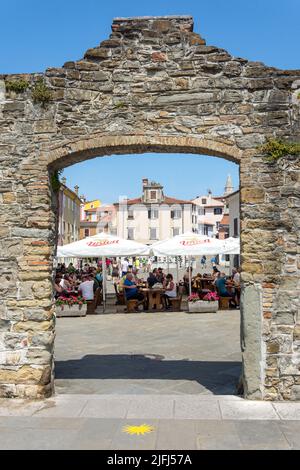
<point x="152" y="279"/>
<point x="222" y="290"/>
<point x="131" y="290"/>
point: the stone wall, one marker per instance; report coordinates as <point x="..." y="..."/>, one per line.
<point x="153" y="86"/>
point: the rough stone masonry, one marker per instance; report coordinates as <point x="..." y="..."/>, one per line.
<point x="153" y="86"/>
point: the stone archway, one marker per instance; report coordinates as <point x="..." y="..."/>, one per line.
<point x="154" y="85"/>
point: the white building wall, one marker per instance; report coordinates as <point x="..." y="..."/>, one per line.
<point x="234" y="213"/>
<point x="164" y="224"/>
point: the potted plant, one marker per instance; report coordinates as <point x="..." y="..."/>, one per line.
<point x="209" y="303"/>
<point x="72" y="306"/>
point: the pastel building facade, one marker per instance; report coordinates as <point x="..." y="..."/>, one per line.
<point x="153" y="216"/>
<point x="68" y="214"/>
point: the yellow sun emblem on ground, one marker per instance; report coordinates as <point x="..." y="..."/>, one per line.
<point x="138" y="430"/>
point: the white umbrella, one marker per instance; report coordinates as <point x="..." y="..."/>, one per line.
<point x="231" y="246"/>
<point x="188" y="244"/>
<point x="102" y="244"/>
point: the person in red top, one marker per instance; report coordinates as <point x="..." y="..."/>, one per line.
<point x="108" y="265"/>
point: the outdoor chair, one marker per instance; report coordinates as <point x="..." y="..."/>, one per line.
<point x="92" y="304"/>
<point x="131" y="305"/>
<point x="224" y="303"/>
<point x="176" y="302"/>
<point x="120" y="298"/>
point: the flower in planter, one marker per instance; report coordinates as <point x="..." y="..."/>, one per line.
<point x="61" y="301"/>
<point x="211" y="297"/>
<point x="193" y="298"/>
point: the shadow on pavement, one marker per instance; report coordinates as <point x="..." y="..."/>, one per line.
<point x="221" y="378"/>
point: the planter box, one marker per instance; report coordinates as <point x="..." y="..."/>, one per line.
<point x="73" y="311"/>
<point x="203" y="306"/>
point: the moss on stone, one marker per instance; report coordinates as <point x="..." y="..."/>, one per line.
<point x="55" y="181"/>
<point x="41" y="93"/>
<point x="275" y="149"/>
<point x="16" y="85"/>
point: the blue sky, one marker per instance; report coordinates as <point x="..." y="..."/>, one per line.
<point x="37" y="34"/>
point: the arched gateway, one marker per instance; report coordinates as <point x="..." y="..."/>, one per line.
<point x="154" y="85"/>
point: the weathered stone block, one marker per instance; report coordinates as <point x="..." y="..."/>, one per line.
<point x="97" y="53"/>
<point x="26" y="375"/>
<point x="252" y="195"/>
<point x="33" y="326"/>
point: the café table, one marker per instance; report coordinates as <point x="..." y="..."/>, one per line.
<point x="207" y="283"/>
<point x="152" y="298"/>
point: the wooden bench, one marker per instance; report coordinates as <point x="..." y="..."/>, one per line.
<point x="131" y="305"/>
<point x="120" y="298"/>
<point x="176" y="302"/>
<point x="154" y="299"/>
<point x="224" y="303"/>
<point x="91" y="305"/>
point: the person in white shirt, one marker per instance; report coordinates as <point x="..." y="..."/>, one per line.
<point x="65" y="283"/>
<point x="237" y="277"/>
<point x="124" y="266"/>
<point x="86" y="288"/>
<point x="237" y="283"/>
<point x="170" y="291"/>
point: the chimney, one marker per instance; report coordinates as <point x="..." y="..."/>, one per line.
<point x="145" y="182"/>
<point x="64" y="180"/>
<point x="76" y="189"/>
<point x="83" y="198"/>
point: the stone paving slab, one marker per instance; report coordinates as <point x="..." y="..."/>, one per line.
<point x="266" y="434"/>
<point x="291" y="431"/>
<point x="195" y="408"/>
<point x="288" y="410"/>
<point x="124" y="441"/>
<point x="248" y="410"/>
<point x="155" y="407"/>
<point x="183" y="438"/>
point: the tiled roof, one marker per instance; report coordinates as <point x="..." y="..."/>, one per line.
<point x="225" y="220"/>
<point x="167" y="200"/>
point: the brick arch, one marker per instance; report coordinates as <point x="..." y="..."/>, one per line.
<point x="153" y="85"/>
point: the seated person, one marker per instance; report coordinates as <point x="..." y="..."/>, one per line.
<point x="57" y="287"/>
<point x="237" y="277"/>
<point x="131" y="290"/>
<point x="216" y="273"/>
<point x="120" y="284"/>
<point x="99" y="277"/>
<point x="222" y="291"/>
<point x="186" y="279"/>
<point x="152" y="279"/>
<point x="196" y="282"/>
<point x="160" y="275"/>
<point x="170" y="291"/>
<point x="233" y="272"/>
<point x="86" y="288"/>
<point x="65" y="283"/>
<point x="237" y="284"/>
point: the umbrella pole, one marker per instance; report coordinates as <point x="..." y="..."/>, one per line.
<point x="168" y="265"/>
<point x="104" y="282"/>
<point x="177" y="273"/>
<point x="190" y="278"/>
